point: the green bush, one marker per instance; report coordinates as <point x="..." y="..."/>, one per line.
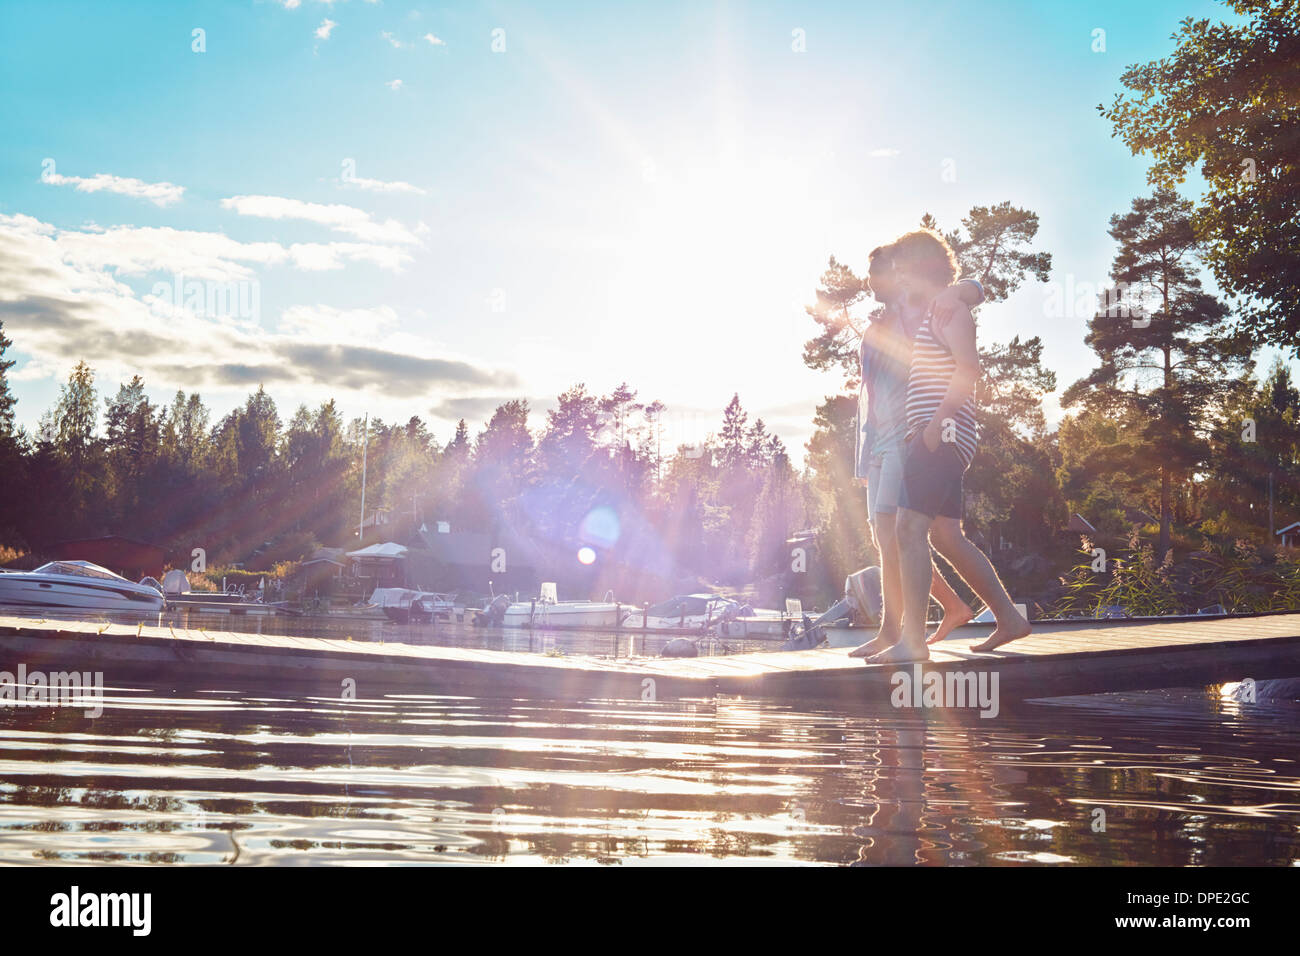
<point x="1233" y="574"/>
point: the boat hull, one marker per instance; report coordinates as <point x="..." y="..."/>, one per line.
<point x="754" y="627"/>
<point x="33" y="591"/>
<point x="557" y="615"/>
<point x="690" y="622"/>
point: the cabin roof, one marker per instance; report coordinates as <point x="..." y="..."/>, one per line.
<point x="389" y="549"/>
<point x="1080" y="524"/>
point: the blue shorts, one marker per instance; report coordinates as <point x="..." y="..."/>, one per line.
<point x="932" y="479"/>
<point x="885" y="481"/>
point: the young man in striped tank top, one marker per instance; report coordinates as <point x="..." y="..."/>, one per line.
<point x="940" y="443"/>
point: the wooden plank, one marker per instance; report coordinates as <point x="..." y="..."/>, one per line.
<point x="1103" y="657"/>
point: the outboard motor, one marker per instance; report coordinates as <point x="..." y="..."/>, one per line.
<point x="175" y="582"/>
<point x="495" y="612"/>
<point x="810" y="634"/>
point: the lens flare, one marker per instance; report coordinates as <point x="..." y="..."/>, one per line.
<point x="600" y="527"/>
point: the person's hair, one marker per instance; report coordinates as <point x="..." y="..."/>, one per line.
<point x="880" y="260"/>
<point x="926" y="255"/>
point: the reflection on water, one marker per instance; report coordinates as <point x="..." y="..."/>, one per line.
<point x="237" y="778"/>
<point x="255" y="777"/>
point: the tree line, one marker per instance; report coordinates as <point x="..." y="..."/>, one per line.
<point x="254" y="489"/>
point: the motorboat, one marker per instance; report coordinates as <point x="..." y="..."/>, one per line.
<point x="408" y="605"/>
<point x="176" y="588"/>
<point x="691" y="612"/>
<point x="757" y="623"/>
<point x="548" y="611"/>
<point x="77" y="584"/>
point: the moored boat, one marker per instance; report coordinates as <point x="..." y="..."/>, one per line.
<point x="77" y="584"/>
<point x="759" y="625"/>
<point x="548" y="611"/>
<point x="691" y="612"/>
<point x="407" y="605"/>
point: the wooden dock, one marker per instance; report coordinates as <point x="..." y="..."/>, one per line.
<point x="1052" y="662"/>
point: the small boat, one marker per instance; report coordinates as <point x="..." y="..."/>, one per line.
<point x="548" y="611"/>
<point x="77" y="584"/>
<point x="176" y="587"/>
<point x="690" y="612"/>
<point x="409" y="606"/>
<point x="759" y="624"/>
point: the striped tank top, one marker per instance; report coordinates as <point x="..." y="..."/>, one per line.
<point x="927" y="384"/>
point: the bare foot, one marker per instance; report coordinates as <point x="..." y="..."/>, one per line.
<point x="951" y="621"/>
<point x="885" y="638"/>
<point x="1012" y="630"/>
<point x="901" y="653"/>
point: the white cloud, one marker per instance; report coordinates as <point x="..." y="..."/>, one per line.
<point x="323" y="256"/>
<point x="394" y="85"/>
<point x="160" y="194"/>
<point x="433" y="40"/>
<point x="33" y="371"/>
<point x="135" y="251"/>
<point x="884" y="151"/>
<point x="381" y="186"/>
<point x="327" y="323"/>
<point x="60" y="306"/>
<point x="140" y="251"/>
<point x="325" y="29"/>
<point x="346" y="219"/>
<point x="393" y="41"/>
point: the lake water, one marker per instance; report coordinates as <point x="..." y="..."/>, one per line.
<point x="220" y="776"/>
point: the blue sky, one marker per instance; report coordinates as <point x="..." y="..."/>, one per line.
<point x="413" y="222"/>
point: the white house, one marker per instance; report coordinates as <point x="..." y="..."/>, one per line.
<point x="1290" y="536"/>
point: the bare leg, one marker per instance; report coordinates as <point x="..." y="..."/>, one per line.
<point x="891" y="588"/>
<point x="976" y="570"/>
<point x="916" y="568"/>
<point x="955" y="610"/>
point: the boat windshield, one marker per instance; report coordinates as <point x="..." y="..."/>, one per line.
<point x="80" y="569"/>
<point x="675" y="607"/>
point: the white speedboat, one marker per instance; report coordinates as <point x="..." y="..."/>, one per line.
<point x="77" y="584"/>
<point x="548" y="611"/>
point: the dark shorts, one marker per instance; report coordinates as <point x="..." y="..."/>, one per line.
<point x="932" y="479"/>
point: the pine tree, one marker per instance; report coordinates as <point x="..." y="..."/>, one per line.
<point x="1167" y="357"/>
<point x="1223" y="104"/>
<point x="7" y="400"/>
